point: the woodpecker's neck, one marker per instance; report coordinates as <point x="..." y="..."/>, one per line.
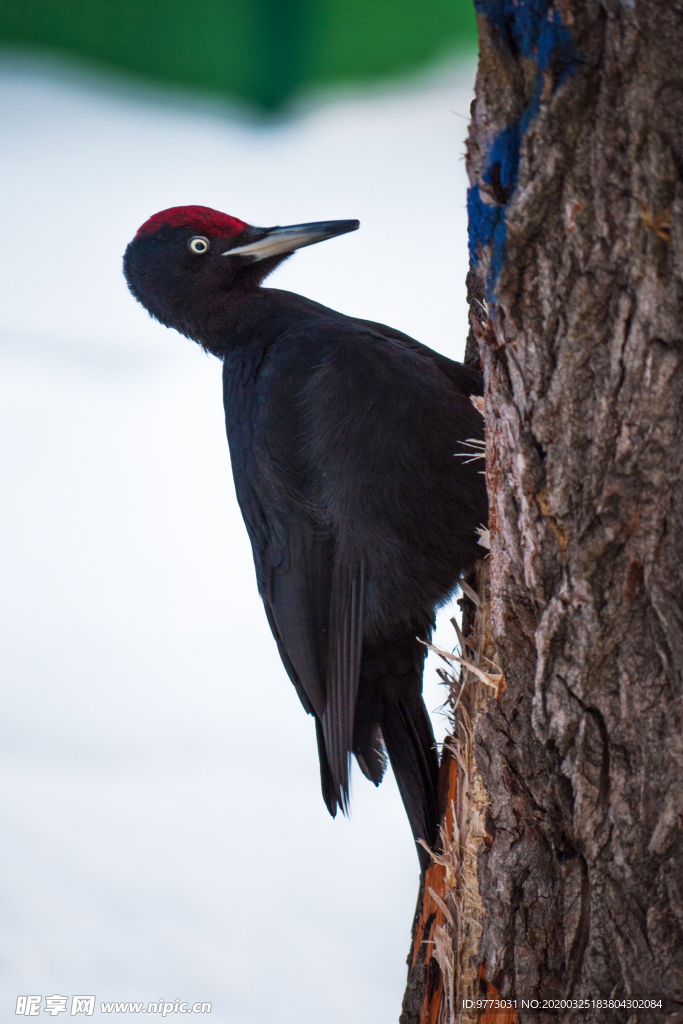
<point x="255" y="317"/>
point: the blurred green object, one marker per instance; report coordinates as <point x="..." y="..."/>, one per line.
<point x="263" y="51"/>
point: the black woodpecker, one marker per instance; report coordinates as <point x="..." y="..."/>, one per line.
<point x="344" y="438"/>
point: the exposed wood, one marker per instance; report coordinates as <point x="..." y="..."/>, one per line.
<point x="444" y="972"/>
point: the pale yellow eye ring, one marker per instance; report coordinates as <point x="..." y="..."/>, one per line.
<point x="199" y="244"/>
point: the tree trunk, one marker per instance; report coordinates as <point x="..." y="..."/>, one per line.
<point x="443" y="962"/>
<point x="575" y="159"/>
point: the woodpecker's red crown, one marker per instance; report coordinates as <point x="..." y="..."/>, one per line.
<point x="203" y="218"/>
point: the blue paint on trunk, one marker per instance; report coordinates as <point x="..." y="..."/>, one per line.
<point x="532" y="29"/>
<point x="486" y="226"/>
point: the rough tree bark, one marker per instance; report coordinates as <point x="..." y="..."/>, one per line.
<point x="575" y="159"/>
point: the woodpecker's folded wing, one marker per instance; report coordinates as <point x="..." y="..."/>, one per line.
<point x="315" y="611"/>
<point x="345" y="643"/>
<point x="295" y="580"/>
<point x="314" y="606"/>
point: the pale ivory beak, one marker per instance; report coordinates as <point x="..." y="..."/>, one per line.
<point x="282" y="240"/>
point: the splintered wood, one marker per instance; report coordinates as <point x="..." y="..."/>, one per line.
<point x="446" y="982"/>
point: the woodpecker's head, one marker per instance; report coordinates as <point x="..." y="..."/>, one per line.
<point x="187" y="263"/>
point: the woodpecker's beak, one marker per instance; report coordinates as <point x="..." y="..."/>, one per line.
<point x="278" y="241"/>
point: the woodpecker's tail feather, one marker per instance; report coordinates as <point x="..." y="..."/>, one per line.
<point x="368" y="747"/>
<point x="411" y="747"/>
<point x="389" y="713"/>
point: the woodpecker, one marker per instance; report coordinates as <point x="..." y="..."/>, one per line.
<point x="344" y="438"/>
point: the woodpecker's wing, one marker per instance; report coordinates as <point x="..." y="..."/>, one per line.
<point x="345" y="643"/>
<point x="468" y="380"/>
<point x="294" y="570"/>
<point x="314" y="603"/>
<point x="315" y="611"/>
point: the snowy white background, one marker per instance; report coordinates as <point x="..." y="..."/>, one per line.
<point x="162" y="833"/>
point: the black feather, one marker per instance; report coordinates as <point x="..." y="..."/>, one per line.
<point x="344" y="439"/>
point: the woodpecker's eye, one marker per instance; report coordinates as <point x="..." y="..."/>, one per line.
<point x="199" y="244"/>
